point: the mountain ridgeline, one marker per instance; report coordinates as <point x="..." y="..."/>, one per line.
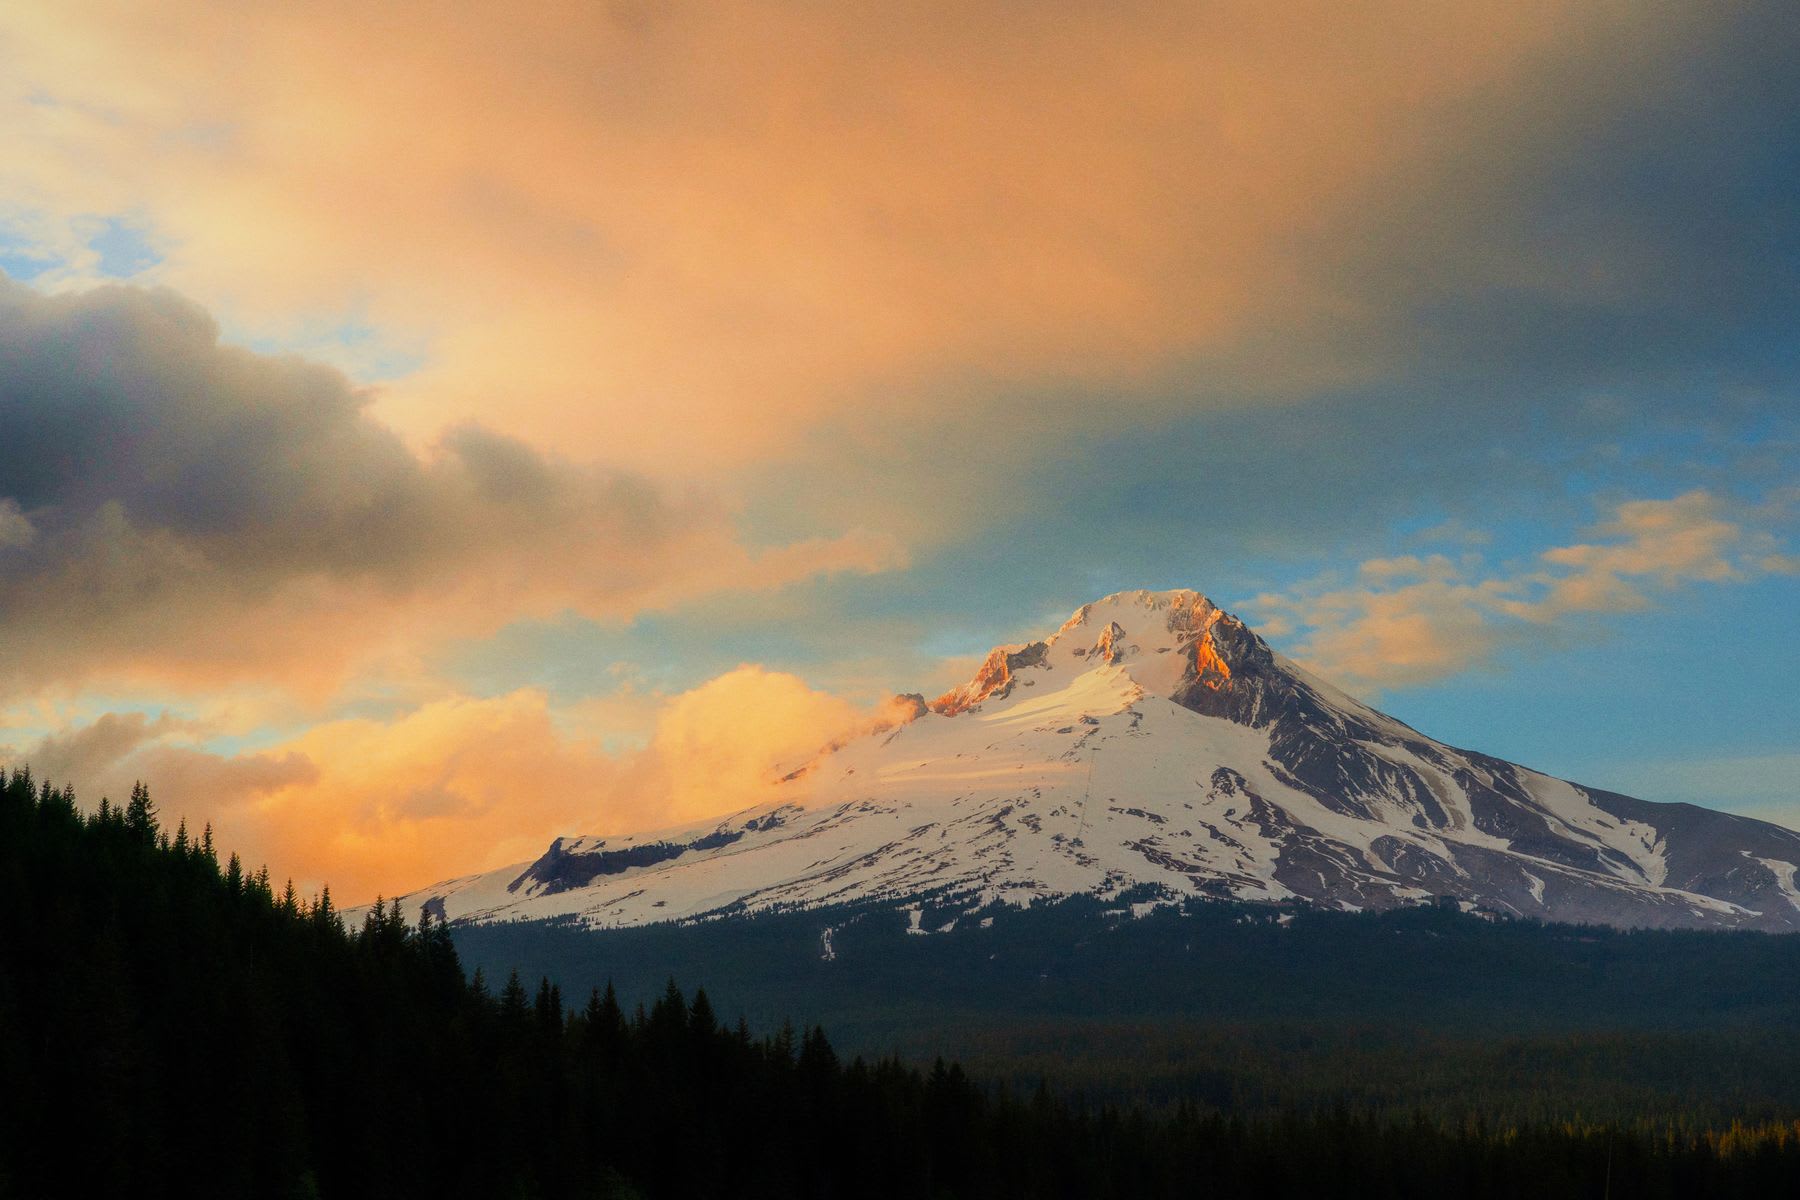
<point x="171" y="1027"/>
<point x="1155" y="745"/>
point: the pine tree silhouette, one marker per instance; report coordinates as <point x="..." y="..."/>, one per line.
<point x="140" y="814"/>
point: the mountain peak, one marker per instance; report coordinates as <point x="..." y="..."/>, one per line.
<point x="1173" y="644"/>
<point x="1180" y="605"/>
<point x="1155" y="741"/>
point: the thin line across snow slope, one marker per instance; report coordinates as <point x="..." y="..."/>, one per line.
<point x="1155" y="740"/>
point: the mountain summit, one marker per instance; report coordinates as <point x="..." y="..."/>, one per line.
<point x="1154" y="743"/>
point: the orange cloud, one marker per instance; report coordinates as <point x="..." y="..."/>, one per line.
<point x="459" y="784"/>
<point x="722" y="746"/>
<point x="669" y="236"/>
<point x="1411" y="619"/>
<point x="1670" y="541"/>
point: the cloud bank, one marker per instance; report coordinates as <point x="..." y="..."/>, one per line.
<point x="458" y="784"/>
<point x="182" y="513"/>
<point x="745" y="218"/>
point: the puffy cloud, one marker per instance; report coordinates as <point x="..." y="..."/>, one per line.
<point x="460" y="783"/>
<point x="364" y="805"/>
<point x="1411" y="619"/>
<point x="1667" y="541"/>
<point x="721" y="746"/>
<point x="178" y="511"/>
<point x="1393" y="631"/>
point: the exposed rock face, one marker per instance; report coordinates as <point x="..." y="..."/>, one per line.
<point x="1156" y="740"/>
<point x="993" y="681"/>
<point x="1110" y="648"/>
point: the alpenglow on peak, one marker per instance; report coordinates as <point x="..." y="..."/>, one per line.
<point x="1155" y="744"/>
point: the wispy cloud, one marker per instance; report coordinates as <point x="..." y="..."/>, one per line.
<point x="1415" y="619"/>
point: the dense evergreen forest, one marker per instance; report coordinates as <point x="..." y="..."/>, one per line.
<point x="174" y="1026"/>
<point x="1252" y="1008"/>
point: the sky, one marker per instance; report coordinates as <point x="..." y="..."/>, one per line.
<point x="427" y="430"/>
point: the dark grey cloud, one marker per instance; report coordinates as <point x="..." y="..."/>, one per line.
<point x="125" y="397"/>
<point x="170" y="504"/>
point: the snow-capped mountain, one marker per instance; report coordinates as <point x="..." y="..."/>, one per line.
<point x="1156" y="740"/>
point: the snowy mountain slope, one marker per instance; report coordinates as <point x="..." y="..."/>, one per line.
<point x="1156" y="740"/>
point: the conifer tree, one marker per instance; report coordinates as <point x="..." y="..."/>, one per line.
<point x="64" y="803"/>
<point x="548" y="1006"/>
<point x="513" y="1005"/>
<point x="701" y="1018"/>
<point x="817" y="1059"/>
<point x="670" y="1012"/>
<point x="140" y="814"/>
<point x="605" y="1023"/>
<point x="610" y="1013"/>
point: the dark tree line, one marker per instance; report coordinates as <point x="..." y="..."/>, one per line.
<point x="174" y="1026"/>
<point x="1250" y="1008"/>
